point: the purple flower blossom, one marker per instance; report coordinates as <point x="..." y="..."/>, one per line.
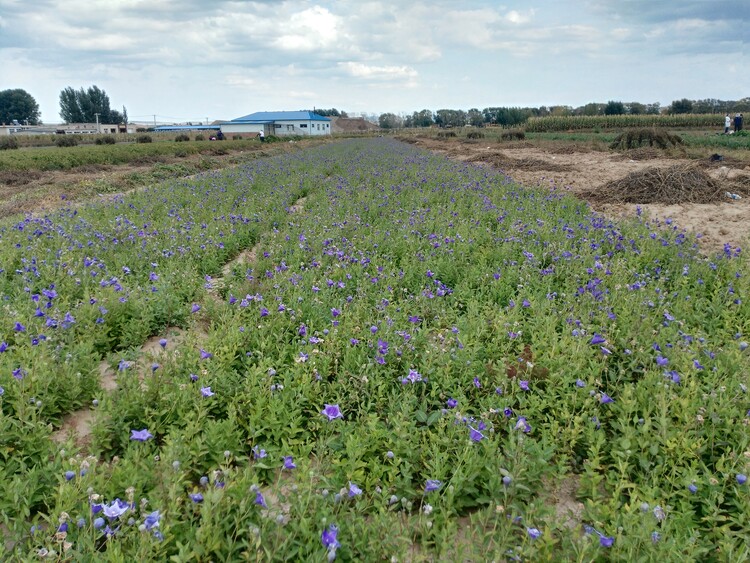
<point x="475" y="435"/>
<point x="606" y="541"/>
<point x="329" y="538"/>
<point x="3" y="346"/>
<point x="477" y="383"/>
<point x="534" y="533"/>
<point x="523" y="425"/>
<point x="693" y="488"/>
<point x="259" y="500"/>
<point x="70" y="475"/>
<point x="289" y="463"/>
<point x="432" y="485"/>
<point x="413" y="377"/>
<point x="163" y="343"/>
<point x="524" y="385"/>
<point x="332" y="412"/>
<point x="580" y="383"/>
<point x="661" y="360"/>
<point x="741" y="478"/>
<point x="206" y="392"/>
<point x="598" y="339"/>
<point x="140" y="435"/>
<point x="116" y="509"/>
<point x="451" y="403"/>
<point x="259" y="453"/>
<point x="206" y="355"/>
<point x="605" y="351"/>
<point x="152" y="520"/>
<point x="197" y="498"/>
<point x="195" y="308"/>
<point x="604" y="399"/>
<point x="354" y="490"/>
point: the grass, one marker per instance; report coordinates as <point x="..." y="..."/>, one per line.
<point x="486" y="346"/>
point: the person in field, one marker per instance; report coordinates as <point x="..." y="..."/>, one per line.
<point x="727" y="124"/>
<point x="737" y="122"/>
<point x="261" y="136"/>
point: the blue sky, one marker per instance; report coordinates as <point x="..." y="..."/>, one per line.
<point x="218" y="59"/>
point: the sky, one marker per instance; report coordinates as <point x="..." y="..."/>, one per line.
<point x="198" y="60"/>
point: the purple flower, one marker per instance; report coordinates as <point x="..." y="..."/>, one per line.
<point x="99" y="523"/>
<point x="259" y="500"/>
<point x="206" y="355"/>
<point x="140" y="435"/>
<point x="152" y="520"/>
<point x="741" y="478"/>
<point x="116" y="509"/>
<point x="3" y="346"/>
<point x="332" y="412"/>
<point x="523" y="425"/>
<point x="19" y="327"/>
<point x="697" y="365"/>
<point x="451" y="403"/>
<point x="206" y="392"/>
<point x="197" y="498"/>
<point x="413" y="377"/>
<point x="432" y="485"/>
<point x="69" y="475"/>
<point x="163" y="342"/>
<point x="605" y="351"/>
<point x="661" y="360"/>
<point x="604" y="399"/>
<point x="534" y="533"/>
<point x="598" y="339"/>
<point x="693" y="488"/>
<point x="475" y="435"/>
<point x="354" y="490"/>
<point x="606" y="541"/>
<point x="328" y="538"/>
<point x="524" y="385"/>
<point x="580" y="383"/>
<point x="289" y="462"/>
<point x="335" y="312"/>
<point x="259" y="453"/>
<point x="195" y="308"/>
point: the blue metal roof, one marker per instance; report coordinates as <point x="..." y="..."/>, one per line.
<point x="267" y="116"/>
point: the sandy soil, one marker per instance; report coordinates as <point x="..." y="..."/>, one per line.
<point x="715" y="224"/>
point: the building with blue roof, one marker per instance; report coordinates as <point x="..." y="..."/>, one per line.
<point x="278" y="123"/>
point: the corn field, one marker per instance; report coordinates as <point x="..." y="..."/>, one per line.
<point x="578" y="122"/>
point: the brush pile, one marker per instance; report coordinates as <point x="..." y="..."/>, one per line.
<point x="673" y="185"/>
<point x="634" y="138"/>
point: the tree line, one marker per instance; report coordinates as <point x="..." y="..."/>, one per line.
<point x="514" y="116"/>
<point x="86" y="105"/>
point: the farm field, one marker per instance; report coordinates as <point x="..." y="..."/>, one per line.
<point x="364" y="350"/>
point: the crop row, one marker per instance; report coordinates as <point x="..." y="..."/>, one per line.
<point x="577" y="122"/>
<point x="418" y="356"/>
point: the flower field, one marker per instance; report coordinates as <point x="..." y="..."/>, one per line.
<point x="414" y="359"/>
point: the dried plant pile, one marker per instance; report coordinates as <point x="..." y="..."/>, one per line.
<point x="504" y="162"/>
<point x="634" y="138"/>
<point x="676" y="184"/>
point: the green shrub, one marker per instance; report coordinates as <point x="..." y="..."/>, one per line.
<point x="143" y="139"/>
<point x="200" y="138"/>
<point x="445" y="134"/>
<point x="106" y="140"/>
<point x="475" y="135"/>
<point x="66" y="141"/>
<point x="181" y="138"/>
<point x="8" y="143"/>
<point x="237" y="137"/>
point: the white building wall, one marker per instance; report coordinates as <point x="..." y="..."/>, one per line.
<point x="241" y="128"/>
<point x="281" y="128"/>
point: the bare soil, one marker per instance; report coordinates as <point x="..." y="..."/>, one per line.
<point x="578" y="169"/>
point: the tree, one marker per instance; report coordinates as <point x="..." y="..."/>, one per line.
<point x="682" y="106"/>
<point x="81" y="106"/>
<point x="390" y="121"/>
<point x="636" y="108"/>
<point x="614" y="108"/>
<point x="421" y="118"/>
<point x="19" y="105"/>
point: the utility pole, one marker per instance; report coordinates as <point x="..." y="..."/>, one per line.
<point x="154" y="120"/>
<point x="97" y="122"/>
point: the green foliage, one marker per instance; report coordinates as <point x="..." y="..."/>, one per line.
<point x="475" y="135"/>
<point x="513" y="134"/>
<point x="614" y="108"/>
<point x="497" y="355"/>
<point x="83" y="105"/>
<point x="66" y="141"/>
<point x="182" y="137"/>
<point x="8" y="143"/>
<point x="200" y="137"/>
<point x="144" y="139"/>
<point x="106" y="140"/>
<point x="18" y="105"/>
<point x="582" y="122"/>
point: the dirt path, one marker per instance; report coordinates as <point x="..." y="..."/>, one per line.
<point x="578" y="170"/>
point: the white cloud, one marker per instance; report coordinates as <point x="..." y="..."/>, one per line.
<point x="308" y="30"/>
<point x="360" y="70"/>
